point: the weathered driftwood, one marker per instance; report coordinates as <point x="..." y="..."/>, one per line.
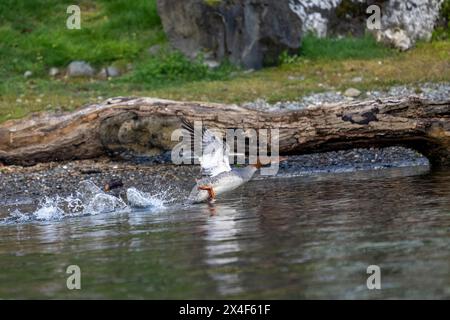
<point x="144" y="126"/>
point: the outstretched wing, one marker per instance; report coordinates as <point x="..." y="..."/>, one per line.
<point x="213" y="155"/>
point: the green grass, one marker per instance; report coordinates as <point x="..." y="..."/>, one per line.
<point x="343" y="48"/>
<point x="34" y="37"/>
<point x="34" y="34"/>
<point x="173" y="68"/>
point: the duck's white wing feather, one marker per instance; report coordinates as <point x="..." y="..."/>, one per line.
<point x="214" y="156"/>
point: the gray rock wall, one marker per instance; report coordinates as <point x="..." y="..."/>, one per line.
<point x="253" y="33"/>
<point x="403" y="22"/>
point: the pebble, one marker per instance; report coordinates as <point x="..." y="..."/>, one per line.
<point x="53" y="72"/>
<point x="27" y="74"/>
<point x="352" y="93"/>
<point x="109" y="72"/>
<point x="298" y="78"/>
<point x="80" y="69"/>
<point x="212" y="64"/>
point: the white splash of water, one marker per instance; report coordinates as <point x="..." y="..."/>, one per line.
<point x="95" y="200"/>
<point x="17" y="216"/>
<point x="139" y="199"/>
<point x="48" y="209"/>
<point x="102" y="203"/>
<point x="91" y="200"/>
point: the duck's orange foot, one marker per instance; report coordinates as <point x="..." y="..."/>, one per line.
<point x="211" y="192"/>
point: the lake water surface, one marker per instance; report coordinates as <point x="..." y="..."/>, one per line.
<point x="294" y="238"/>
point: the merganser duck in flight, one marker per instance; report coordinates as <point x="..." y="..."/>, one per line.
<point x="219" y="177"/>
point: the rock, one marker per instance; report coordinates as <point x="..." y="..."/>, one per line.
<point x="254" y="33"/>
<point x="416" y="19"/>
<point x="109" y="72"/>
<point x="80" y="69"/>
<point x="410" y="21"/>
<point x="249" y="33"/>
<point x="357" y="79"/>
<point x="212" y="63"/>
<point x="352" y="93"/>
<point x="331" y="17"/>
<point x="53" y="72"/>
<point x="27" y="74"/>
<point x="396" y="38"/>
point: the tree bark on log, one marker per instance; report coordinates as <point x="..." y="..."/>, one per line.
<point x="143" y="126"/>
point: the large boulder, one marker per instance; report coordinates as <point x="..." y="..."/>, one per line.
<point x="250" y="33"/>
<point x="325" y="18"/>
<point x="253" y="33"/>
<point x="403" y="22"/>
<point x="408" y="21"/>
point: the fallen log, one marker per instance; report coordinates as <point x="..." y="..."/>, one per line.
<point x="143" y="126"/>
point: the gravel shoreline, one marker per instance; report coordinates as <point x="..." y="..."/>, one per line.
<point x="20" y="184"/>
<point x="430" y="91"/>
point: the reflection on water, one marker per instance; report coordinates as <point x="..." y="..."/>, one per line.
<point x="222" y="247"/>
<point x="305" y="237"/>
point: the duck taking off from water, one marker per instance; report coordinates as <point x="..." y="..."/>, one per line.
<point x="218" y="176"/>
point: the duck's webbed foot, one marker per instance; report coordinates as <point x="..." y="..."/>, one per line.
<point x="211" y="192"/>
